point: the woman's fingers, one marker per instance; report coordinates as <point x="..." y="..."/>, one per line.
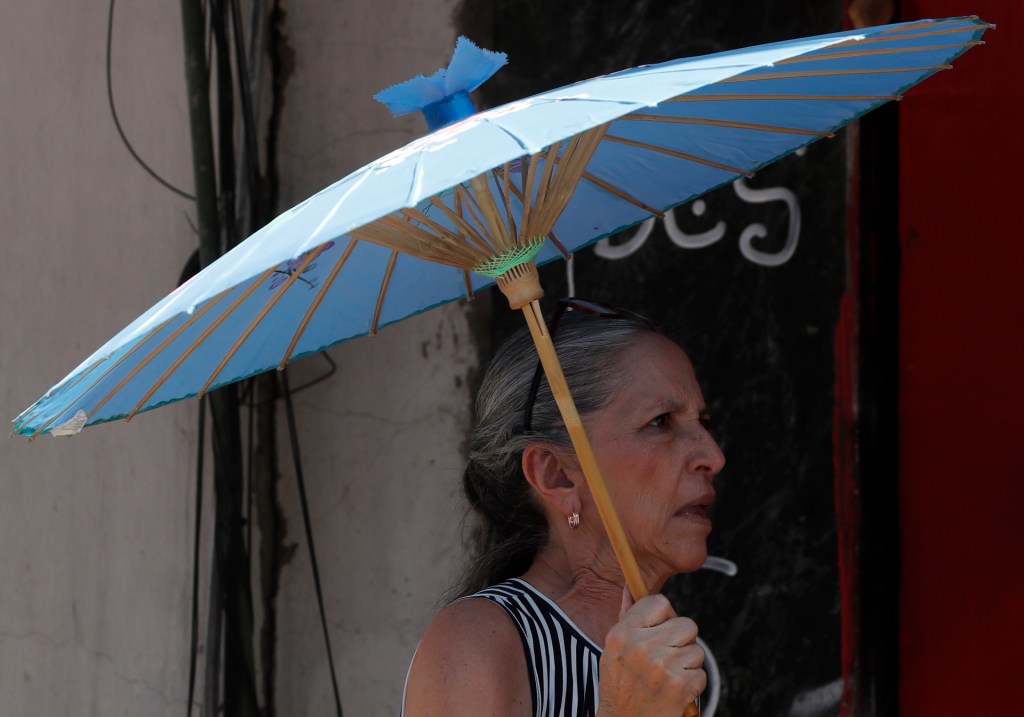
<point x="648" y="612"/>
<point x="676" y="632"/>
<point x="652" y="664"/>
<point x="627" y="600"/>
<point x="654" y="613"/>
<point x="677" y="659"/>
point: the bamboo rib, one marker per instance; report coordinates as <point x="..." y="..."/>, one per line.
<point x="484" y="200"/>
<point x="469" y="285"/>
<point x="202" y="337"/>
<point x="476" y="245"/>
<point x="267" y="308"/>
<point x="413" y="234"/>
<point x="518" y="194"/>
<point x="558" y="245"/>
<point x="480" y="243"/>
<point x="833" y="73"/>
<point x="462" y="225"/>
<point x="504" y="188"/>
<point x="622" y="195"/>
<point x="162" y="345"/>
<point x="471" y="249"/>
<point x="584" y="451"/>
<point x="412" y="238"/>
<point x="46" y="425"/>
<point x="792" y="98"/>
<point x="557" y="198"/>
<point x="376" y="236"/>
<point x="537" y="213"/>
<point x="383" y="291"/>
<point x="550" y="235"/>
<point x="575" y="157"/>
<point x="914" y="26"/>
<point x="869" y="53"/>
<point x="679" y="155"/>
<point x="96" y="381"/>
<point x="547" y="194"/>
<point x="529" y="176"/>
<point x="34" y="411"/>
<point x="913" y="36"/>
<point x="571" y="166"/>
<point x="437" y="241"/>
<point x="524" y="197"/>
<point x="383" y="235"/>
<point x="472" y="219"/>
<point x="335" y="270"/>
<point x="476" y="217"/>
<point x="426" y="226"/>
<point x="492" y="210"/>
<point x="726" y="123"/>
<point x="405" y="235"/>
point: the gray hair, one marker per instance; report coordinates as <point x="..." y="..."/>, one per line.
<point x="511" y="525"/>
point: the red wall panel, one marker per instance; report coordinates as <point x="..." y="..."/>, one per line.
<point x="962" y="376"/>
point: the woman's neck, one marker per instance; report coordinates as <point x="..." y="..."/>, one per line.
<point x="588" y="591"/>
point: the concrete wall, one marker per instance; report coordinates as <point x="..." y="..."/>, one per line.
<point x="95" y="566"/>
<point x="95" y="569"/>
<point x="382" y="438"/>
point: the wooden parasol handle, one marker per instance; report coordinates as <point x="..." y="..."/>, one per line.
<point x="585" y="453"/>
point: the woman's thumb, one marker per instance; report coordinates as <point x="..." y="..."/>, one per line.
<point x="627" y="601"/>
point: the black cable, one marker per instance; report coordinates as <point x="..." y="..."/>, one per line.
<point x="208" y="19"/>
<point x="194" y="642"/>
<point x="250" y="471"/>
<point x="250" y="153"/>
<point x="294" y="438"/>
<point x="322" y="377"/>
<point x="225" y="125"/>
<point x="248" y="398"/>
<point x="117" y="122"/>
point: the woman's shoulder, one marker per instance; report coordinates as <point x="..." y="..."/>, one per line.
<point x="469" y="662"/>
<point x="473" y="617"/>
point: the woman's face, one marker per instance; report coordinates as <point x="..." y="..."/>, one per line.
<point x="658" y="458"/>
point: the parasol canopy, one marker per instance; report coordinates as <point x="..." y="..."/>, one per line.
<point x="529" y="181"/>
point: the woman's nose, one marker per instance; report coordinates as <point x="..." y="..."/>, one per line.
<point x="708" y="456"/>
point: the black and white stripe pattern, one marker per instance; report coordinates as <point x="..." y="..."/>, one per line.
<point x="561" y="661"/>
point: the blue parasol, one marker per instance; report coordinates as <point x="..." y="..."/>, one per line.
<point x="484" y="198"/>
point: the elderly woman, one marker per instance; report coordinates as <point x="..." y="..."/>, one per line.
<point x="546" y="612"/>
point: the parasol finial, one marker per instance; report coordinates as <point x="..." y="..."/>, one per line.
<point x="443" y="98"/>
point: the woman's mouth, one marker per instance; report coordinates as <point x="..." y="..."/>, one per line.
<point x="696" y="511"/>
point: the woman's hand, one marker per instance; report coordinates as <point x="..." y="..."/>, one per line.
<point x="652" y="665"/>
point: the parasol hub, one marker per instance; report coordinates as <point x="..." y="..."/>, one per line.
<point x="521" y="285"/>
<point x="443" y="98"/>
<point x="450" y="110"/>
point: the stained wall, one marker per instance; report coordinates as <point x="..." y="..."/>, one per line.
<point x="95" y="571"/>
<point x="95" y="567"/>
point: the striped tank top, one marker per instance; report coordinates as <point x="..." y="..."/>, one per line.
<point x="561" y="662"/>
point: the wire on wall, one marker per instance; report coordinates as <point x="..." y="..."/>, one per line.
<point x="117" y="121"/>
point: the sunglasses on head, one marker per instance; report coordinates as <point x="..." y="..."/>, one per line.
<point x="571" y="303"/>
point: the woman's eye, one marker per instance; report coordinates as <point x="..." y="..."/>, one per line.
<point x="705" y="421"/>
<point x="659" y="421"/>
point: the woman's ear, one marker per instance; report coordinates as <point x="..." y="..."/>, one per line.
<point x="554" y="474"/>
